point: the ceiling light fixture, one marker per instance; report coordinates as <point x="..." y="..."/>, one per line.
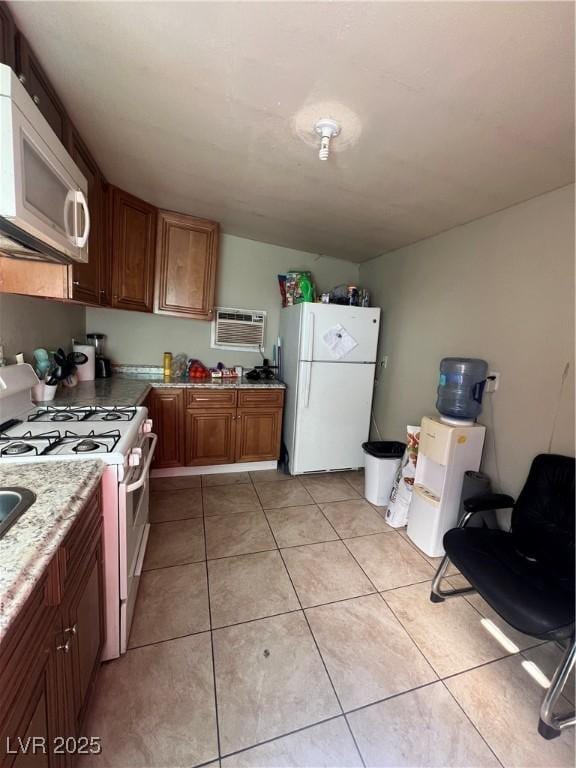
<point x="327" y="129"/>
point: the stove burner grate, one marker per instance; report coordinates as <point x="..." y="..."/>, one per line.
<point x="22" y="445"/>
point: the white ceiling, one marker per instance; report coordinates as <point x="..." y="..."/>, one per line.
<point x="450" y="110"/>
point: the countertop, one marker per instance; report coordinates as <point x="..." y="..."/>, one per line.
<point x="62" y="488"/>
<point x="125" y="390"/>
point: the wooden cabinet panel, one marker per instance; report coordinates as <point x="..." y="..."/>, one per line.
<point x="39" y="87"/>
<point x="211" y="398"/>
<point x="7" y="37"/>
<point x="186" y="255"/>
<point x="88" y="281"/>
<point x="258" y="434"/>
<point x="254" y="398"/>
<point x="84" y="620"/>
<point x="35" y="278"/>
<point x="132" y="251"/>
<point x="166" y="409"/>
<point x="50" y="655"/>
<point x="210" y="437"/>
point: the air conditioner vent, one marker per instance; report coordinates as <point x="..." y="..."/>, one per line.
<point x="239" y="329"/>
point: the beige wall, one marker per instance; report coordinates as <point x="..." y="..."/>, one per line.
<point x="247" y="279"/>
<point x="500" y="288"/>
<point x="27" y="323"/>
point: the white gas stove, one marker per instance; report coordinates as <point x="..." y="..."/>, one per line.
<point x="119" y="436"/>
<point x="55" y="432"/>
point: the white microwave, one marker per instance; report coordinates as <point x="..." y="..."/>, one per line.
<point x="43" y="195"/>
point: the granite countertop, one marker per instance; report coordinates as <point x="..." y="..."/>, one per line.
<point x="126" y="389"/>
<point x="62" y="489"/>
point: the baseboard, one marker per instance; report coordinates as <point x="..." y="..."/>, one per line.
<point x="215" y="469"/>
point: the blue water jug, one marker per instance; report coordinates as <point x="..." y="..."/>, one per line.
<point x="460" y="388"/>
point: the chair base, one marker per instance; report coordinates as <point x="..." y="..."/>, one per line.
<point x="547" y="731"/>
<point x="438" y="594"/>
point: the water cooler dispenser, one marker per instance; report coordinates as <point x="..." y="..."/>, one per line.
<point x="446" y="452"/>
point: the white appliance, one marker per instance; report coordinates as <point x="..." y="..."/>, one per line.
<point x="121" y="437"/>
<point x="43" y="206"/>
<point x="328" y="361"/>
<point x="445" y="453"/>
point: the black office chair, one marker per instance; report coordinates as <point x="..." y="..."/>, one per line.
<point x="526" y="574"/>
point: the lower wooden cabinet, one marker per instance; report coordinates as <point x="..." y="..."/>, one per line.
<point x="166" y="409"/>
<point x="201" y="427"/>
<point x="50" y="656"/>
<point x="210" y="437"/>
<point x="258" y="434"/>
<point x="84" y="630"/>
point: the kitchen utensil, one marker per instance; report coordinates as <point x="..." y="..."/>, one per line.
<point x="41" y="362"/>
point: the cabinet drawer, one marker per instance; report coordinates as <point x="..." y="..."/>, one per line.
<point x="210" y="398"/>
<point x="253" y="398"/>
<point x="82" y="538"/>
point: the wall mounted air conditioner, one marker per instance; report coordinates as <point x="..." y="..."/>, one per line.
<point x="241" y="329"/>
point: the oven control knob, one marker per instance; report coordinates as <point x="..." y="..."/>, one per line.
<point x="134" y="457"/>
<point x="147" y="425"/>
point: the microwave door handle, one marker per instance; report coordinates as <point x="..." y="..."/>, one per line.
<point x="141" y="479"/>
<point x="82" y="239"/>
<point x="70" y="200"/>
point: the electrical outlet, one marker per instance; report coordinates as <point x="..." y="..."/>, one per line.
<point x="492" y="384"/>
<point x="384" y="362"/>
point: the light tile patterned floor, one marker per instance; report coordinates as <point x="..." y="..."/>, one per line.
<point x="281" y="623"/>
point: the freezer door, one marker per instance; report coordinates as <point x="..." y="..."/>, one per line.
<point x="332" y="416"/>
<point x="362" y="323"/>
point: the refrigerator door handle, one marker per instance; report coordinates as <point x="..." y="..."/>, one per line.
<point x="307" y="385"/>
<point x="310" y="354"/>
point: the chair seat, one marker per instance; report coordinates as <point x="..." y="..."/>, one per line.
<point x="521" y="591"/>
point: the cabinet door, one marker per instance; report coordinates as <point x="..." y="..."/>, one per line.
<point x="258" y="434"/>
<point x="38" y="86"/>
<point x="84" y="632"/>
<point x="88" y="279"/>
<point x="186" y="255"/>
<point x="7" y="37"/>
<point x="210" y="437"/>
<point x="166" y="409"/>
<point x="40" y="712"/>
<point x="132" y="252"/>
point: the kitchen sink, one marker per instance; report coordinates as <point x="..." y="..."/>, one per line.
<point x="13" y="502"/>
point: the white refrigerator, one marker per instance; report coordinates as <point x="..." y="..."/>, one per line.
<point x="328" y="362"/>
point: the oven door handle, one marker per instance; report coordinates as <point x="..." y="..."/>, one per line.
<point x="142" y="478"/>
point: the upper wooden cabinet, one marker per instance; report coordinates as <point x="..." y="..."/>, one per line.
<point x="38" y="86"/>
<point x="131" y="260"/>
<point x="186" y="256"/>
<point x="7" y="37"/>
<point x="89" y="280"/>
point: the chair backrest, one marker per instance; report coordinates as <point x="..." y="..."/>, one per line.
<point x="544" y="515"/>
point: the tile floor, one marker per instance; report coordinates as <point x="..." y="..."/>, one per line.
<point x="280" y="623"/>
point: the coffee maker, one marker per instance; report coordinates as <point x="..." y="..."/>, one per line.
<point x="103" y="366"/>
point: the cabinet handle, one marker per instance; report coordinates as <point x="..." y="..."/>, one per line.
<point x="36" y="99"/>
<point x="22" y="78"/>
<point x="65" y="647"/>
<point x="75" y="282"/>
<point x="72" y="630"/>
